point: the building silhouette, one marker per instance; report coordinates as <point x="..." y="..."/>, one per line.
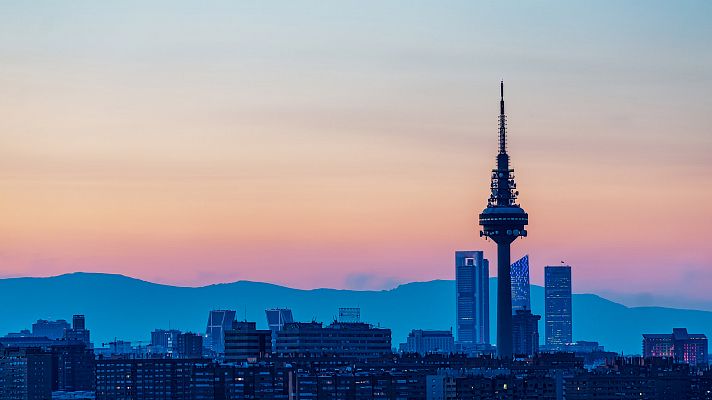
<point x="218" y="322"/>
<point x="689" y="348"/>
<point x="50" y="329"/>
<point x="189" y="345"/>
<point x="276" y="318"/>
<point x="25" y="374"/>
<point x="428" y="341"/>
<point x="557" y="305"/>
<point x="357" y="340"/>
<point x="519" y="271"/>
<point x="472" y="298"/>
<point x="503" y="221"/>
<point x="79" y="332"/>
<point x="245" y="342"/>
<point x="525" y="332"/>
<point x="73" y="367"/>
<point x="164" y="341"/>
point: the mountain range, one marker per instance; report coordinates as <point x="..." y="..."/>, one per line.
<point x="120" y="307"/>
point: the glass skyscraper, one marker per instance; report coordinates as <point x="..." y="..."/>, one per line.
<point x="519" y="272"/>
<point x="218" y="322"/>
<point x="472" y="287"/>
<point x="557" y="305"/>
<point x="276" y="318"/>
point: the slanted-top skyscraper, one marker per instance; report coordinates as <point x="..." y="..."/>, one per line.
<point x="503" y="221"/>
<point x="520" y="285"/>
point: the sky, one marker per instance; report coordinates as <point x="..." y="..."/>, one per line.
<point x="348" y="144"/>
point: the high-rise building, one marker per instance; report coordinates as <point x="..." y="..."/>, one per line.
<point x="690" y="348"/>
<point x="79" y="332"/>
<point x="73" y="365"/>
<point x="557" y="305"/>
<point x="525" y="332"/>
<point x="50" y="329"/>
<point x="276" y="318"/>
<point x="503" y="221"/>
<point x="426" y="341"/>
<point x="353" y="340"/>
<point x="218" y="322"/>
<point x="25" y="374"/>
<point x="472" y="297"/>
<point x="164" y="341"/>
<point x="520" y="285"/>
<point x="244" y="342"/>
<point x="189" y="345"/>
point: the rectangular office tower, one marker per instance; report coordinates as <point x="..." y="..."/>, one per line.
<point x="472" y="296"/>
<point x="557" y="305"/>
<point x="519" y="272"/>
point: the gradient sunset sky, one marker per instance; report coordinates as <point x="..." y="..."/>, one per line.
<point x="349" y="144"/>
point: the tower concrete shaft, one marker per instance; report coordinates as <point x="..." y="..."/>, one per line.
<point x="503" y="221"/>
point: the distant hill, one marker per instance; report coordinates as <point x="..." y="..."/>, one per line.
<point x="127" y="308"/>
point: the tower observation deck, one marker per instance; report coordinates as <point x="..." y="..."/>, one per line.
<point x="503" y="221"/>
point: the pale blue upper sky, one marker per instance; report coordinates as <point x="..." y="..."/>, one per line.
<point x="380" y="115"/>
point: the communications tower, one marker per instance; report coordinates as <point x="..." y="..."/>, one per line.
<point x="503" y="221"/>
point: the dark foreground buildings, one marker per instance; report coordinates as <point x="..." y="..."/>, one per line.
<point x="413" y="377"/>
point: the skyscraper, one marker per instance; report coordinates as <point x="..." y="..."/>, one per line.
<point x="520" y="285"/>
<point x="557" y="305"/>
<point x="218" y="322"/>
<point x="472" y="296"/>
<point x="503" y="221"/>
<point x="276" y="318"/>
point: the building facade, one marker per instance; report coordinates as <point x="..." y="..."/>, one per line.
<point x="73" y="366"/>
<point x="79" y="332"/>
<point x="25" y="374"/>
<point x="276" y="318"/>
<point x="50" y="329"/>
<point x="245" y="342"/>
<point x="189" y="345"/>
<point x="350" y="340"/>
<point x="519" y="273"/>
<point x="428" y="341"/>
<point x="218" y="322"/>
<point x="472" y="297"/>
<point x="164" y="341"/>
<point x="689" y="348"/>
<point x="557" y="305"/>
<point x="525" y="332"/>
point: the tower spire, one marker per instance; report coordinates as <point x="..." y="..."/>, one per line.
<point x="502" y="121"/>
<point x="501" y="99"/>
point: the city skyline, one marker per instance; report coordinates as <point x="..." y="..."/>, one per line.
<point x="185" y="156"/>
